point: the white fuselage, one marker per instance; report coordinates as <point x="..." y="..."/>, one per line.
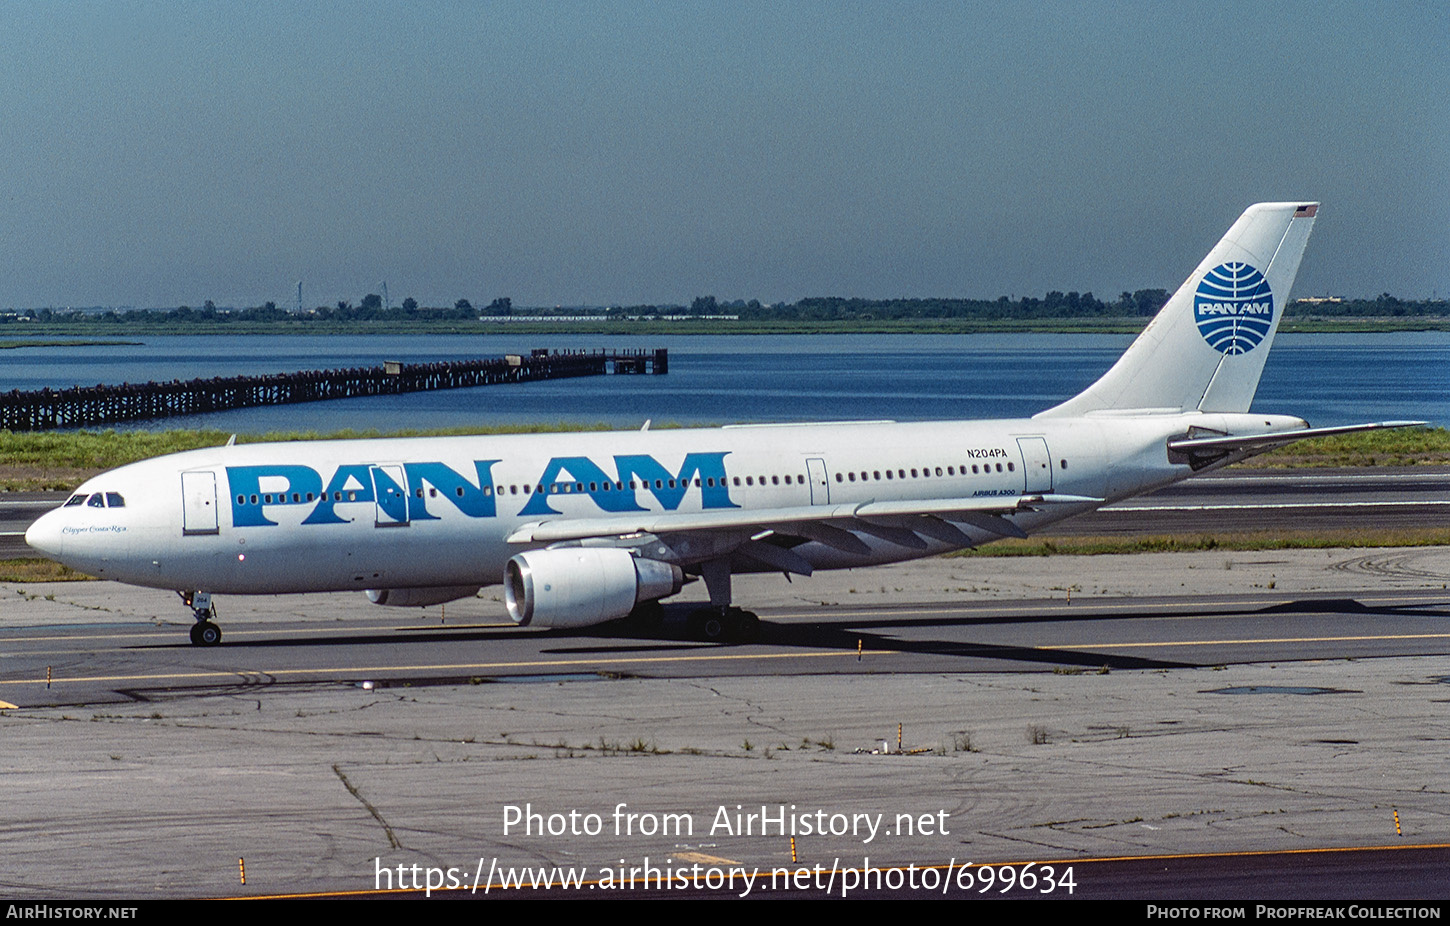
<point x="439" y="512"/>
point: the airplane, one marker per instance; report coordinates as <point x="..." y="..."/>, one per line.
<point x="585" y="528"/>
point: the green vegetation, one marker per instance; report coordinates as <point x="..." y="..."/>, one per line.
<point x="51" y="460"/>
<point x="38" y="570"/>
<point x="657" y="327"/>
<point x="1400" y="447"/>
<point x="32" y="461"/>
<point x="1246" y="541"/>
<point x="1054" y="312"/>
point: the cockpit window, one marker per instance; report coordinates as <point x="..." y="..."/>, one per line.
<point x="97" y="500"/>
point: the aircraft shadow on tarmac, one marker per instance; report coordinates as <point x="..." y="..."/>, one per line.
<point x="847" y="634"/>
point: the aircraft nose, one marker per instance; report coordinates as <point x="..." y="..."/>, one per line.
<point x="44" y="536"/>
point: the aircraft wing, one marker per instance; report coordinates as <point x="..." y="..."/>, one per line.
<point x="805" y="520"/>
<point x="1258" y="443"/>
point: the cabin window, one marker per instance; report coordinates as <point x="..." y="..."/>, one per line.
<point x="81" y="500"/>
<point x="1011" y="467"/>
<point x="1064" y="463"/>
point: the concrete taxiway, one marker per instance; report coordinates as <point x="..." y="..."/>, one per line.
<point x="150" y="768"/>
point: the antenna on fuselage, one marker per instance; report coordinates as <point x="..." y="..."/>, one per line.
<point x="646" y="424"/>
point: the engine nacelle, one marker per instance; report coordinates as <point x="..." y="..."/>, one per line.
<point x="420" y="597"/>
<point x="581" y="586"/>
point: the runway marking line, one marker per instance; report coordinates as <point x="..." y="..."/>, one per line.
<point x="1274" y="506"/>
<point x="530" y="664"/>
<point x="1185" y="856"/>
<point x="1355" y="639"/>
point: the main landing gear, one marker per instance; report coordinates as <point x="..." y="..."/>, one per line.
<point x="204" y="632"/>
<point x="719" y="621"/>
<point x="721" y="625"/>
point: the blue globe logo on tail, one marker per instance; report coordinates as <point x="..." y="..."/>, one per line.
<point x="1234" y="308"/>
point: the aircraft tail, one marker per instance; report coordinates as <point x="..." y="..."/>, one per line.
<point x="1205" y="349"/>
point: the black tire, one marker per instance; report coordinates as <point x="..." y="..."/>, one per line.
<point x="744" y="626"/>
<point x="709" y="625"/>
<point x="205" y="633"/>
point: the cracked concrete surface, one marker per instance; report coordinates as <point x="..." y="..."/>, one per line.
<point x="161" y="799"/>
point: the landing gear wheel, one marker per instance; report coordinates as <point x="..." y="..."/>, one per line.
<point x="707" y="624"/>
<point x="205" y="633"/>
<point x="746" y="625"/>
<point x="732" y="625"/>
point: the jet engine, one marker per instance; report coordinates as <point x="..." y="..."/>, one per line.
<point x="420" y="597"/>
<point x="581" y="586"/>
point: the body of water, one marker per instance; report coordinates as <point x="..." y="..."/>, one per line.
<point x="1327" y="379"/>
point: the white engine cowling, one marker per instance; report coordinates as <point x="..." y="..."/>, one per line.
<point x="420" y="597"/>
<point x="582" y="586"/>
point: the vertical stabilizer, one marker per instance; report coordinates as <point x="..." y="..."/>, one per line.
<point x="1206" y="348"/>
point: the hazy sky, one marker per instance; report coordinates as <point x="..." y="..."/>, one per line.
<point x="567" y="153"/>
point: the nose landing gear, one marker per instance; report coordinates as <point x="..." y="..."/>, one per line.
<point x="204" y="632"/>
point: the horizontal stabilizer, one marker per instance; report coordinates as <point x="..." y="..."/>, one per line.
<point x="1260" y="442"/>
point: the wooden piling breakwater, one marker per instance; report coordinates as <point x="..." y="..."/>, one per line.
<point x="89" y="406"/>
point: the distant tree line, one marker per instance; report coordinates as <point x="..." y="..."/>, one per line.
<point x="1140" y="304"/>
